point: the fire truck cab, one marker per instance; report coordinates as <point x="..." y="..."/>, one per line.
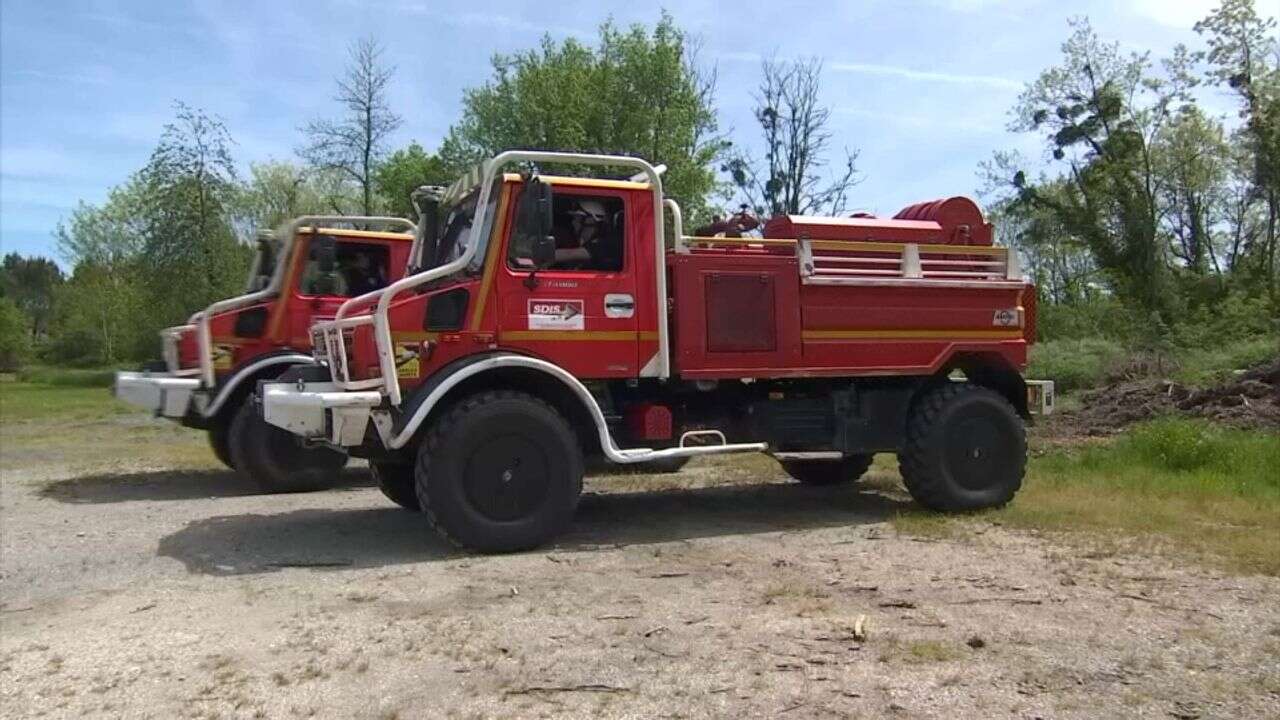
<point x="556" y="317"/>
<point x="300" y="273"/>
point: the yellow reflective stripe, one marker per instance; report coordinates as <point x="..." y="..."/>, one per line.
<point x="578" y="335"/>
<point x="345" y="232"/>
<point x="911" y="334"/>
<point x="586" y="182"/>
<point x="413" y="336"/>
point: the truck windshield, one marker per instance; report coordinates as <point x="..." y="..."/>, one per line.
<point x="446" y="239"/>
<point x="264" y="264"/>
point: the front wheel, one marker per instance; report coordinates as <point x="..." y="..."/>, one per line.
<point x="220" y="440"/>
<point x="396" y="481"/>
<point x="966" y="449"/>
<point x="505" y="473"/>
<point x="828" y="472"/>
<point x="276" y="459"/>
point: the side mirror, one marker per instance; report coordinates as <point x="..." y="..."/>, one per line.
<point x="543" y="251"/>
<point x="325" y="250"/>
<point x="533" y="224"/>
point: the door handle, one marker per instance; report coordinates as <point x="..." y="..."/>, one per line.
<point x="619" y="305"/>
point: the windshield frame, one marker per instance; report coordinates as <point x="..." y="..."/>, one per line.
<point x="432" y="234"/>
<point x="278" y="248"/>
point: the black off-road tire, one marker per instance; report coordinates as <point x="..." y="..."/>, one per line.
<point x="395" y="480"/>
<point x="220" y="438"/>
<point x="966" y="449"/>
<point x="505" y="473"/>
<point x="828" y="472"/>
<point x="276" y="459"/>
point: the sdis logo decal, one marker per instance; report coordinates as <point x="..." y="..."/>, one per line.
<point x="556" y="315"/>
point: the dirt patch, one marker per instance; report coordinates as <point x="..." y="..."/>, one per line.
<point x="132" y="587"/>
<point x="1250" y="401"/>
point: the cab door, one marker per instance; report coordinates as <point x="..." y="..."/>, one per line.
<point x="581" y="312"/>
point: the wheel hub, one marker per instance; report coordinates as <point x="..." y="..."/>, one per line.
<point x="977" y="452"/>
<point x="507" y="478"/>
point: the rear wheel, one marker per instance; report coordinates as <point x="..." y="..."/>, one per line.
<point x="276" y="459"/>
<point x="395" y="480"/>
<point x="505" y="473"/>
<point x="828" y="472"/>
<point x="219" y="440"/>
<point x="966" y="449"/>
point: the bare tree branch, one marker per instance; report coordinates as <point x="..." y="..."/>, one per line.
<point x="355" y="143"/>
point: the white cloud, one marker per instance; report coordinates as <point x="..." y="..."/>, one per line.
<point x="897" y="71"/>
<point x="1178" y="13"/>
<point x="926" y="75"/>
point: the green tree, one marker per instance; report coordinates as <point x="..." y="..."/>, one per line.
<point x="30" y="282"/>
<point x="279" y="191"/>
<point x="1192" y="159"/>
<point x="795" y="129"/>
<point x="404" y="171"/>
<point x="636" y="92"/>
<point x="100" y="310"/>
<point x="161" y="247"/>
<point x="15" y="337"/>
<point x="354" y="144"/>
<point x="1244" y="54"/>
<point x="1100" y="113"/>
<point x="190" y="256"/>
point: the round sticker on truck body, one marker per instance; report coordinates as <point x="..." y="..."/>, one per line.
<point x="556" y="315"/>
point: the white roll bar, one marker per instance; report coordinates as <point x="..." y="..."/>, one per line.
<point x="378" y="318"/>
<point x="204" y="340"/>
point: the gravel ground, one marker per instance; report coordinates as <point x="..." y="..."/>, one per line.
<point x="724" y="591"/>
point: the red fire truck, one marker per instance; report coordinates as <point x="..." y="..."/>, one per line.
<point x="555" y="318"/>
<point x="301" y="273"/>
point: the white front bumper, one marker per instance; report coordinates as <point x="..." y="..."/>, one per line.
<point x="319" y="411"/>
<point x="160" y="393"/>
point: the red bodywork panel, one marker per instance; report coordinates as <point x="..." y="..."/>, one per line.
<point x="287" y="319"/>
<point x="827" y="330"/>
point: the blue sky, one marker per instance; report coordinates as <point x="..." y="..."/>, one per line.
<point x="922" y="89"/>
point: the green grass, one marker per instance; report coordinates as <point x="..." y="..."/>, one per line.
<point x="65" y="429"/>
<point x="1184" y="487"/>
<point x="25" y="402"/>
<point x="67" y="377"/>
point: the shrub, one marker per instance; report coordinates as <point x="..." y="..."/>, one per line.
<point x="1076" y="364"/>
<point x="1215" y="363"/>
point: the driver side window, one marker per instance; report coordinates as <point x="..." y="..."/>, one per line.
<point x="589" y="231"/>
<point x="358" y="268"/>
